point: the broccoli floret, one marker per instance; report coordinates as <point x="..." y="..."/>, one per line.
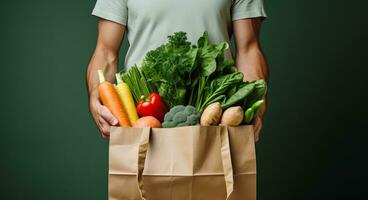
<point x="190" y="110"/>
<point x="193" y="119"/>
<point x="182" y="124"/>
<point x="168" y="124"/>
<point x="176" y="109"/>
<point x="181" y="116"/>
<point x="169" y="116"/>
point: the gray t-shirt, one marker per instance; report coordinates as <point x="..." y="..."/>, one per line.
<point x="149" y="22"/>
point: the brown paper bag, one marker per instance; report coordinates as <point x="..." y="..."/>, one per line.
<point x="186" y="163"/>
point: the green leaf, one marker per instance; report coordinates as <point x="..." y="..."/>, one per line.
<point x="203" y="41"/>
<point x="239" y="95"/>
<point x="260" y="90"/>
<point x="219" y="99"/>
<point x="169" y="68"/>
<point x="208" y="66"/>
<point x="219" y="86"/>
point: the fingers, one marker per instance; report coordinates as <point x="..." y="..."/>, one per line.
<point x="105" y="136"/>
<point x="257" y="128"/>
<point x="107" y="115"/>
<point x="104" y="127"/>
<point x="103" y="117"/>
<point x="105" y="121"/>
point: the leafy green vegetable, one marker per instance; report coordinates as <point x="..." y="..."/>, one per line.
<point x="240" y="94"/>
<point x="218" y="87"/>
<point x="212" y="63"/>
<point x="232" y="90"/>
<point x="197" y="75"/>
<point x="169" y="67"/>
<point x="260" y="89"/>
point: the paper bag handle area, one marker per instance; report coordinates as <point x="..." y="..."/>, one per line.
<point x="225" y="158"/>
<point x="142" y="153"/>
<point x="226" y="161"/>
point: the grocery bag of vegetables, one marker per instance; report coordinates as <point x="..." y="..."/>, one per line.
<point x="185" y="128"/>
<point x="183" y="163"/>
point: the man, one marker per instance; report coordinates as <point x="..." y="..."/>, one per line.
<point x="148" y="23"/>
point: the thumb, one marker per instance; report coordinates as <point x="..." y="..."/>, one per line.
<point x="108" y="116"/>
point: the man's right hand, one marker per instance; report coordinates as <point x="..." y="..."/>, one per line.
<point x="105" y="57"/>
<point x="102" y="116"/>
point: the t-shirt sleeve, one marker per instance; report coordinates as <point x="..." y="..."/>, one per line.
<point x="242" y="9"/>
<point x="113" y="10"/>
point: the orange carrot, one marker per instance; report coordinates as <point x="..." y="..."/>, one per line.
<point x="111" y="100"/>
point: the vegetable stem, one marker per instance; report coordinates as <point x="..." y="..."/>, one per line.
<point x="101" y="76"/>
<point x="118" y="78"/>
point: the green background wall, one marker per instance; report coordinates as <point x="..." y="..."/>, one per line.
<point x="313" y="144"/>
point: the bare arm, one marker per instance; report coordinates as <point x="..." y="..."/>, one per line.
<point x="249" y="56"/>
<point x="105" y="56"/>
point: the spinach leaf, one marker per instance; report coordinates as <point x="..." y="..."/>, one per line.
<point x="239" y="95"/>
<point x="220" y="99"/>
<point x="235" y="88"/>
<point x="219" y="86"/>
<point x="259" y="92"/>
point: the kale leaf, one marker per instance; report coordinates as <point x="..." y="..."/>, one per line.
<point x="169" y="67"/>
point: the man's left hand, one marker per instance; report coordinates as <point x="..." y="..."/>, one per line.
<point x="257" y="127"/>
